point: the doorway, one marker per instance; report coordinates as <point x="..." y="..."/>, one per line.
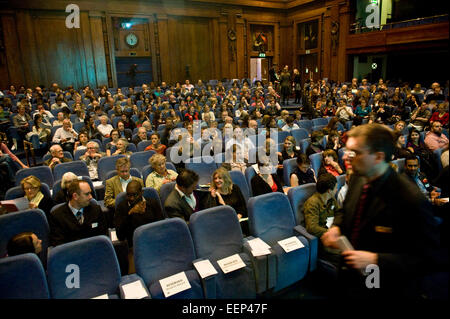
<point x="309" y="67"/>
<point x="259" y="70"/>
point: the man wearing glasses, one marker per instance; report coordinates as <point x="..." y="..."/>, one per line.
<point x="77" y="219"/>
<point x="387" y="220"/>
<point x="57" y="154"/>
<point x="91" y="158"/>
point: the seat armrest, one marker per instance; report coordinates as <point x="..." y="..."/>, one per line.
<point x="129" y="279"/>
<point x="208" y="283"/>
<point x="313" y="245"/>
<point x="264" y="267"/>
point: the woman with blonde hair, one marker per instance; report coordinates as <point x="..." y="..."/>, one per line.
<point x="121" y="147"/>
<point x="31" y="186"/>
<point x="224" y="192"/>
<point x="160" y="175"/>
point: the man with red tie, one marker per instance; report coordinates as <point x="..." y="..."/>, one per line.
<point x="387" y="220"/>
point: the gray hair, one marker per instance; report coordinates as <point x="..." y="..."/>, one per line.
<point x="67" y="178"/>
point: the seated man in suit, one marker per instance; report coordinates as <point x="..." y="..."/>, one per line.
<point x="122" y="132"/>
<point x="181" y="202"/>
<point x="118" y="184"/>
<point x="141" y="135"/>
<point x="77" y="219"/>
<point x="135" y="211"/>
<point x="57" y="156"/>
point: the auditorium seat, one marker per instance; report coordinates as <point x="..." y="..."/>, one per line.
<point x="217" y="234"/>
<point x="273" y="227"/>
<point x="79" y="168"/>
<point x="23" y="277"/>
<point x="44" y="173"/>
<point x="93" y="264"/>
<point x="30" y="220"/>
<point x="165" y="248"/>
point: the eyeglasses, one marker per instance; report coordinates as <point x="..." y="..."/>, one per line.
<point x="29" y="188"/>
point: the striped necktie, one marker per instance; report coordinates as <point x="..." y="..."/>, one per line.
<point x="358" y="215"/>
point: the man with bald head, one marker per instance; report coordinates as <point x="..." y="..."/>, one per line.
<point x="57" y="154"/>
<point x="134" y="211"/>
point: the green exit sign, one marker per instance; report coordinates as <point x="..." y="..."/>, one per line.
<point x="262" y="55"/>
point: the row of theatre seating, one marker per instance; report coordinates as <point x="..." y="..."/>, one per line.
<point x="165" y="248"/>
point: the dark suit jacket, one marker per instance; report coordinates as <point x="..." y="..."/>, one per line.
<point x="260" y="187"/>
<point x="46" y="204"/>
<point x="397" y="224"/>
<point x="127" y="134"/>
<point x="175" y="206"/>
<point x="65" y="228"/>
<point x="126" y="224"/>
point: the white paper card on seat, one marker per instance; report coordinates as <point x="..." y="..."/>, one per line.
<point x="205" y="268"/>
<point x="114" y="236"/>
<point x="259" y="247"/>
<point x="231" y="263"/>
<point x="290" y="244"/>
<point x="330" y="221"/>
<point x="105" y="296"/>
<point x="174" y="284"/>
<point x="134" y="290"/>
<point x="97" y="183"/>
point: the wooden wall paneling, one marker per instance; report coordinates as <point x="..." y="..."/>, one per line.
<point x="98" y="49"/>
<point x="28" y="48"/>
<point x="240" y="50"/>
<point x="287" y="44"/>
<point x="344" y="21"/>
<point x="12" y="68"/>
<point x="152" y="44"/>
<point x="326" y="47"/>
<point x="173" y="37"/>
<point x="165" y="51"/>
<point x="111" y="49"/>
<point x="215" y="49"/>
<point x="224" y="52"/>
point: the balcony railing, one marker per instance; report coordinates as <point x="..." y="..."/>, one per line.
<point x="357" y="28"/>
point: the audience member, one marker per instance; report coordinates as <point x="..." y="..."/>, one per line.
<point x="182" y="202"/>
<point x="160" y="175"/>
<point x="319" y="211"/>
<point x="57" y="156"/>
<point x="135" y="211"/>
<point x="23" y="243"/>
<point x="77" y="219"/>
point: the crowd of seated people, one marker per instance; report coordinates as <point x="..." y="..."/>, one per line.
<point x="98" y="123"/>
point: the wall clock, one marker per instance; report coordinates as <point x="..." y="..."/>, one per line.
<point x="131" y="39"/>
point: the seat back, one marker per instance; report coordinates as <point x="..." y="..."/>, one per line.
<point x="141" y="146"/>
<point x="44" y="173"/>
<point x="79" y="168"/>
<point x="320" y="121"/>
<point x="165" y="191"/>
<point x="133" y="172"/>
<point x="17" y="192"/>
<point x="340" y="182"/>
<point x="299" y="134"/>
<point x="78" y="153"/>
<point x="289" y="166"/>
<point x="297" y="197"/>
<point x="269" y="224"/>
<point x="306" y="124"/>
<point x="93" y="259"/>
<point x="216" y="232"/>
<point x="204" y="166"/>
<point x="30" y="220"/>
<point x="162" y="249"/>
<point x="304" y="144"/>
<point x="57" y="186"/>
<point x="106" y="164"/>
<point x="316" y="161"/>
<point x="140" y="159"/>
<point x="249" y="173"/>
<point x="238" y="178"/>
<point x="281" y="136"/>
<point x="23" y="277"/>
